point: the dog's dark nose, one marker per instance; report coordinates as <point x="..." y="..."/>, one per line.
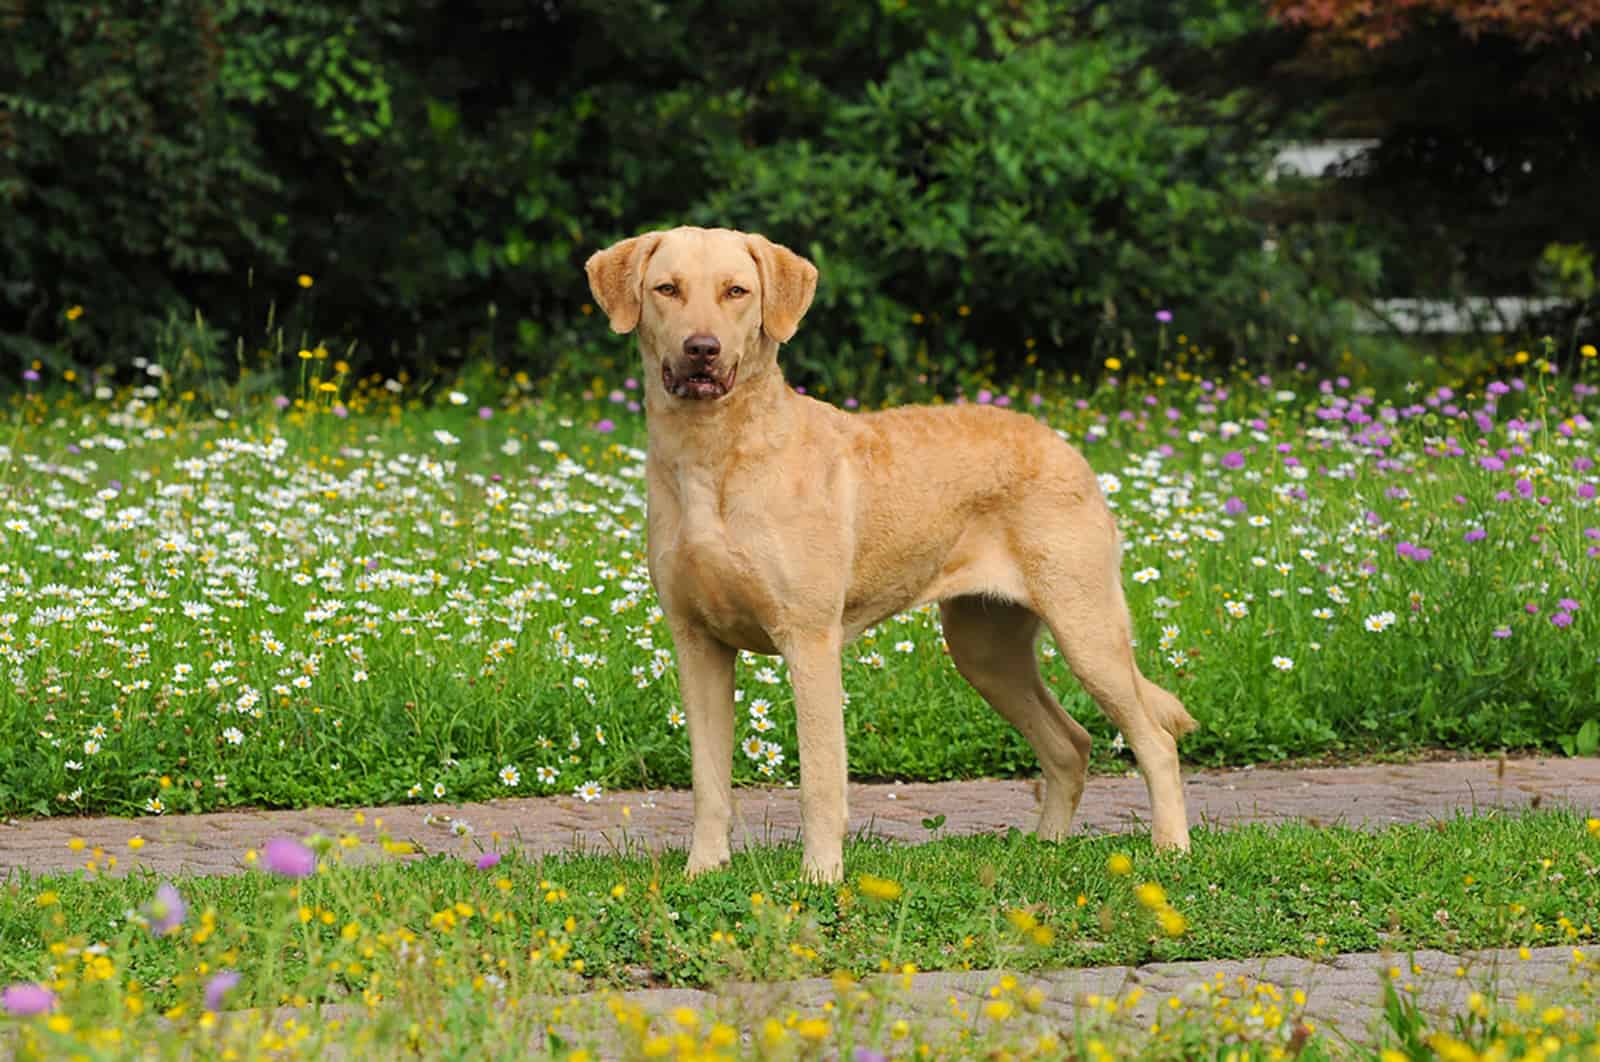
<point x="702" y="348"/>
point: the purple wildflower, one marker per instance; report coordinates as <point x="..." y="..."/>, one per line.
<point x="1233" y="459"/>
<point x="1567" y="604"/>
<point x="1561" y="619"/>
<point x="605" y="427"/>
<point x="25" y="999"/>
<point x="1477" y="534"/>
<point x="488" y="860"/>
<point x="289" y="858"/>
<point x="167" y="911"/>
<point x="221" y="983"/>
<point x="1164" y="316"/>
<point x="1586" y="491"/>
<point x="1502" y="632"/>
<point x="282" y="402"/>
<point x="1234" y="506"/>
<point x="485" y="413"/>
<point x="30" y="375"/>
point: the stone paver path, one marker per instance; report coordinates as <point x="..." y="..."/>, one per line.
<point x="1342" y="995"/>
<point x="1372" y="796"/>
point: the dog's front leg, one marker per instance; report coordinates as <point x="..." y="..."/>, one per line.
<point x="814" y="668"/>
<point x="705" y="678"/>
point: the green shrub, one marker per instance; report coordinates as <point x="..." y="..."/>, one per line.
<point x="1034" y="183"/>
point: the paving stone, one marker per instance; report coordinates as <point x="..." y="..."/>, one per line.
<point x="1342" y="999"/>
<point x="1342" y="993"/>
<point x="1366" y="796"/>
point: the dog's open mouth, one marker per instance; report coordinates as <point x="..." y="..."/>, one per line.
<point x="696" y="385"/>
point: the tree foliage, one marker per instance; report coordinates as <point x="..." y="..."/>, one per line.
<point x="1483" y="112"/>
<point x="440" y="168"/>
<point x="1531" y="22"/>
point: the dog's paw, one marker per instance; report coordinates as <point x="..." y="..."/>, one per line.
<point x="702" y="863"/>
<point x="823" y="870"/>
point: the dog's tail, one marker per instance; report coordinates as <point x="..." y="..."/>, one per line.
<point x="1168" y="711"/>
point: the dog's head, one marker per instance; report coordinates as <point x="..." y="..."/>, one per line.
<point x="706" y="303"/>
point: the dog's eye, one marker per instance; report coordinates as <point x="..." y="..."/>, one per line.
<point x="668" y="290"/>
<point x="736" y="292"/>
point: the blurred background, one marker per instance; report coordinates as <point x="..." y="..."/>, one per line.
<point x="991" y="188"/>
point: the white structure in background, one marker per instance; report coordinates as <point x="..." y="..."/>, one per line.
<point x="1475" y="313"/>
<point x="1314" y="160"/>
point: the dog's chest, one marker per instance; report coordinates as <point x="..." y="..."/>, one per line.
<point x="705" y="568"/>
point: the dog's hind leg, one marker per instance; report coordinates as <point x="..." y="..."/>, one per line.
<point x="1078" y="591"/>
<point x="992" y="644"/>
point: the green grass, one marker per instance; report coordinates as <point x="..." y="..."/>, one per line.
<point x="956" y="903"/>
<point x="371" y="597"/>
<point x="437" y="957"/>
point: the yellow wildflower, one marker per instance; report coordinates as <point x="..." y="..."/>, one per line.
<point x="876" y="888"/>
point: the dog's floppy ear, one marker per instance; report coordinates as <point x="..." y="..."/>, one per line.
<point x="616" y="277"/>
<point x="787" y="284"/>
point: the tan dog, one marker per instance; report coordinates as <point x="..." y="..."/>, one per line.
<point x="780" y="524"/>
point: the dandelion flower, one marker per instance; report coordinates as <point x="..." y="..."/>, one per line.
<point x="1150" y="896"/>
<point x="877" y="888"/>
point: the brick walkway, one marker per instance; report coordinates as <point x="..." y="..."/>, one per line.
<point x="1343" y="995"/>
<point x="1368" y="795"/>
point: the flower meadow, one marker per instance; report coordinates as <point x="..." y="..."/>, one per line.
<point x="311" y="954"/>
<point x="372" y="593"/>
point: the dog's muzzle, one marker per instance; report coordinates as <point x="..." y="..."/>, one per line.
<point x="697" y="382"/>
